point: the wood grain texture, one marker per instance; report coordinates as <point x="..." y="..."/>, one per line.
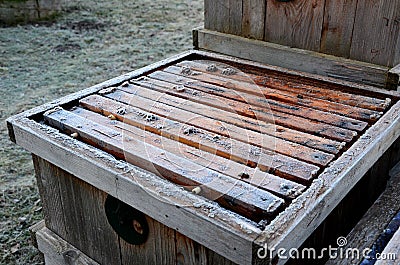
<point x="295" y="23"/>
<point x="258" y="178"/>
<point x="376" y="32"/>
<point x="253" y="19"/>
<point x="281" y="101"/>
<point x="85" y="219"/>
<point x="254" y="139"/>
<point x="68" y="206"/>
<point x="281" y="165"/>
<point x="50" y="194"/>
<point x="132" y="185"/>
<point x="338" y="26"/>
<point x="248" y="123"/>
<point x="294" y="59"/>
<point x="290" y="84"/>
<point x="363" y="155"/>
<point x="235" y="16"/>
<point x="369" y="228"/>
<point x="248" y="201"/>
<point x="142" y="190"/>
<point x="57" y="251"/>
<point x="158" y="249"/>
<point x="257" y="113"/>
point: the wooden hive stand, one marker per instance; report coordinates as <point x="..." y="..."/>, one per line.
<point x="268" y="135"/>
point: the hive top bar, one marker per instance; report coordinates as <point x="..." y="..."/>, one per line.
<point x="250" y="149"/>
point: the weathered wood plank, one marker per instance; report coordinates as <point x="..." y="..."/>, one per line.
<point x="253" y="20"/>
<point x="365" y="233"/>
<point x="299" y="137"/>
<point x="235" y="16"/>
<point x="210" y="18"/>
<point x="142" y="190"/>
<point x="215" y="186"/>
<point x="376" y="32"/>
<point x="274" y="94"/>
<point x="338" y="26"/>
<point x="57" y="251"/>
<point x="334" y="183"/>
<point x="69" y="208"/>
<point x="159" y="248"/>
<point x="276" y="185"/>
<point x="189" y="252"/>
<point x="267" y="142"/>
<point x="261" y="96"/>
<point x="244" y="109"/>
<point x="321" y="91"/>
<point x="244" y="153"/>
<point x="33" y="229"/>
<point x="294" y="59"/>
<point x="295" y="23"/>
<point x="50" y="194"/>
<point x="85" y="218"/>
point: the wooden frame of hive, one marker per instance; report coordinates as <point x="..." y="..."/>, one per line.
<point x="224" y="233"/>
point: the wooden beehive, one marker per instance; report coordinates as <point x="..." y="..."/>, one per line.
<point x="215" y="156"/>
<point x="275" y="149"/>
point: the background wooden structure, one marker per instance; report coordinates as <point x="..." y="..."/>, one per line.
<point x="365" y="31"/>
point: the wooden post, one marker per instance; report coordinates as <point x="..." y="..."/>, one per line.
<point x="16" y="11"/>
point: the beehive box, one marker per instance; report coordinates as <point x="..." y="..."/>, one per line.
<point x="223" y="156"/>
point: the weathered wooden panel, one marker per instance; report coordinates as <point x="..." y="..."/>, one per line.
<point x="73" y="216"/>
<point x="338" y="26"/>
<point x="160" y="247"/>
<point x="59" y="252"/>
<point x="48" y="184"/>
<point x="368" y="229"/>
<point x="295" y="59"/>
<point x="376" y="32"/>
<point x="295" y="23"/>
<point x="253" y="21"/>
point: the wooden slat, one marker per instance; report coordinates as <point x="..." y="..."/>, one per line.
<point x="235" y="16"/>
<point x="248" y="201"/>
<point x="278" y="186"/>
<point x="227" y="130"/>
<point x="73" y="208"/>
<point x="294" y="59"/>
<point x="287" y="97"/>
<point x="270" y="116"/>
<point x="374" y="221"/>
<point x="376" y="32"/>
<point x="222" y="146"/>
<point x="49" y="189"/>
<point x="295" y="23"/>
<point x="253" y="20"/>
<point x="57" y="251"/>
<point x="282" y="83"/>
<point x="259" y="96"/>
<point x="338" y="27"/>
<point x="290" y="135"/>
<point x="334" y="183"/>
<point x="210" y="17"/>
<point x="189" y="252"/>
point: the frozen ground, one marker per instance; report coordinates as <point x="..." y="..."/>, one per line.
<point x="91" y="41"/>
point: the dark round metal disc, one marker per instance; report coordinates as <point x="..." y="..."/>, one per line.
<point x="129" y="223"/>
